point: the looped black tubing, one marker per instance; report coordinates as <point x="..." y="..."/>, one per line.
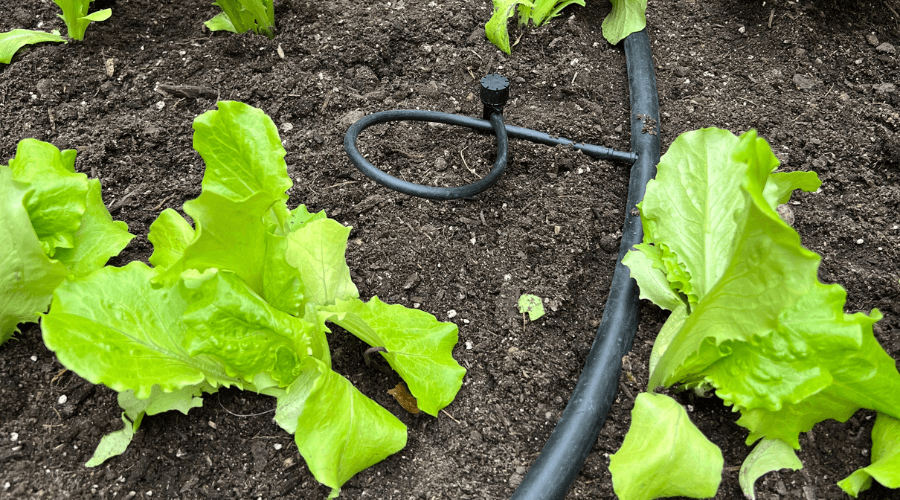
<point x="439" y="193"/>
<point x="422" y="191"/>
<point x="563" y="456"/>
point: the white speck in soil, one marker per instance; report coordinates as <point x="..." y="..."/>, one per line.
<point x="451" y="313"/>
<point x="63" y="399"/>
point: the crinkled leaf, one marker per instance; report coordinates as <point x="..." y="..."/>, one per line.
<point x="647" y="268"/>
<point x="75" y="14"/>
<point x="317" y="249"/>
<point x="242" y="151"/>
<point x="98" y="238"/>
<point x="243" y="193"/>
<point x="664" y="454"/>
<point x="359" y="433"/>
<point x="115" y="443"/>
<point x="771" y="339"/>
<point x="495" y="29"/>
<point x="419" y="347"/>
<point x="170" y="235"/>
<point x="113" y="327"/>
<point x="27" y="276"/>
<point x="245" y="15"/>
<point x="626" y="17"/>
<point x="12" y="41"/>
<point x="56" y="198"/>
<point x="769" y="455"/>
<point x="228" y="322"/>
<point x="885" y="466"/>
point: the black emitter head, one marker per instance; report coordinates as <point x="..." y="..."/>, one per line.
<point x="494" y="94"/>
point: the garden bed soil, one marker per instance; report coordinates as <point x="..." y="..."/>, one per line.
<point x="818" y="79"/>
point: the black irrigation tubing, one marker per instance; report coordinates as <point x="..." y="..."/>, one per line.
<point x="563" y="456"/>
<point x="551" y="475"/>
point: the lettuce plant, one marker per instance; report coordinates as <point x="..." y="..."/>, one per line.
<point x="625" y="18"/>
<point x="243" y="298"/>
<point x="538" y="12"/>
<point x="75" y="14"/>
<point x="54" y="224"/>
<point x="750" y="320"/>
<point x="240" y="16"/>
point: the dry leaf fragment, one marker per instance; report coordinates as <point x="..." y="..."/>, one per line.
<point x="406" y="400"/>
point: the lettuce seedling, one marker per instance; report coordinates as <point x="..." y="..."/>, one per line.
<point x="242" y="298"/>
<point x="625" y="18"/>
<point x="12" y="41"/>
<point x="75" y="14"/>
<point x="750" y="319"/>
<point x="240" y="16"/>
<point x="54" y="224"/>
<point x="538" y="12"/>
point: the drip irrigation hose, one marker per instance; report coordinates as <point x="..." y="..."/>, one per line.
<point x="576" y="432"/>
<point x="564" y="453"/>
<point x="493" y="123"/>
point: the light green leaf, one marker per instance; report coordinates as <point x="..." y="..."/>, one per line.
<point x="98" y="238"/>
<point x="113" y="327"/>
<point x="667" y="333"/>
<point x="495" y="29"/>
<point x="626" y="17"/>
<point x="221" y="22"/>
<point x="243" y="153"/>
<point x="27" y="276"/>
<point x="885" y="466"/>
<point x="359" y="434"/>
<point x="159" y="402"/>
<point x="115" y="443"/>
<point x="771" y="339"/>
<point x="419" y="347"/>
<point x="664" y="454"/>
<point x="545" y="10"/>
<point x="170" y="235"/>
<point x="532" y="305"/>
<point x="769" y="455"/>
<point x="317" y="250"/>
<point x="100" y="15"/>
<point x="12" y="41"/>
<point x="56" y="198"/>
<point x="243" y="194"/>
<point x="228" y="322"/>
<point x="781" y="185"/>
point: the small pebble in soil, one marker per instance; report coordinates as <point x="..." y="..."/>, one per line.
<point x="63" y="399"/>
<point x="14" y="436"/>
<point x="860" y="241"/>
<point x="34" y="358"/>
<point x="468" y="346"/>
<point x="278" y="446"/>
<point x="451" y="313"/>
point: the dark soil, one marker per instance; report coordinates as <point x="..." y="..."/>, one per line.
<point x="813" y="77"/>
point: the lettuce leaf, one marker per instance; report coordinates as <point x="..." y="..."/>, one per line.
<point x="12" y="41"/>
<point x="626" y="17"/>
<point x="27" y="276"/>
<point x="767" y="456"/>
<point x="360" y="433"/>
<point x="55" y="223"/>
<point x="113" y="327"/>
<point x="56" y="197"/>
<point x="664" y="454"/>
<point x="419" y="347"/>
<point x="885" y="466"/>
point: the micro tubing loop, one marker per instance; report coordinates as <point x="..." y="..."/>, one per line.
<point x="494" y="124"/>
<point x="564" y="454"/>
